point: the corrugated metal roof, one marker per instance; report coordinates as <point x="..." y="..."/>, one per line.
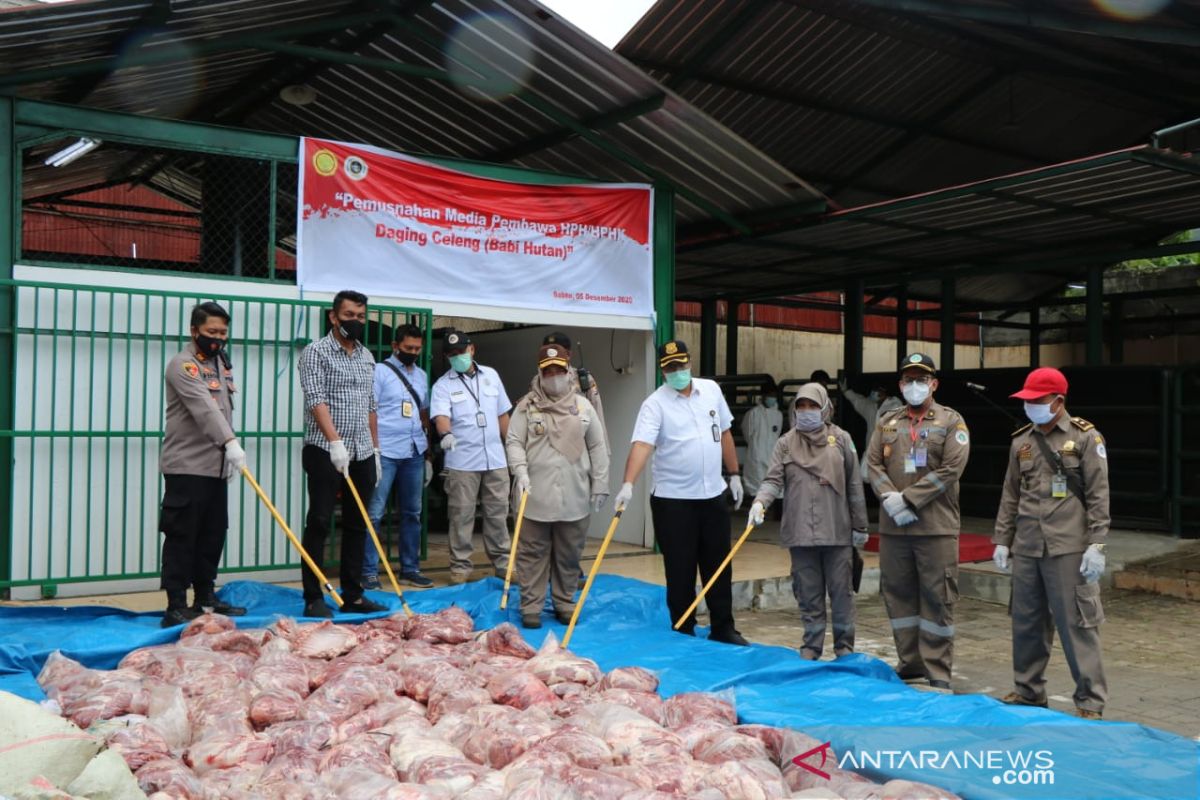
<point x="576" y="109"/>
<point x="870" y="99"/>
<point x="1045" y="225"/>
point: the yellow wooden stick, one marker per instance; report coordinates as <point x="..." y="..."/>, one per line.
<point x="715" y="575"/>
<point x="587" y="587"/>
<point x="296" y="542"/>
<point x="512" y="551"/>
<point x="383" y="557"/>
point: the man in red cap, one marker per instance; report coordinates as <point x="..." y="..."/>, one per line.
<point x="1050" y="531"/>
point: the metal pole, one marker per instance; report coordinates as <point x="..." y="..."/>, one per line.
<point x="1095" y="316"/>
<point x="708" y="337"/>
<point x="852" y="357"/>
<point x="731" y="337"/>
<point x="946" y="363"/>
<point x="10" y="184"/>
<point x="901" y="322"/>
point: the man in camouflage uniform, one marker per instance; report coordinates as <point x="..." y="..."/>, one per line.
<point x="914" y="461"/>
<point x="1051" y="528"/>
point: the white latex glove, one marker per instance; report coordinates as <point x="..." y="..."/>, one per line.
<point x="905" y="517"/>
<point x="624" y="496"/>
<point x="1093" y="564"/>
<point x="598" y="501"/>
<point x="235" y="459"/>
<point x="860" y="538"/>
<point x="449" y="442"/>
<point x="378" y="466"/>
<point x="758" y="514"/>
<point x="522" y="474"/>
<point x="893" y="503"/>
<point x="736" y="491"/>
<point x="1000" y="558"/>
<point x="428" y="472"/>
<point x="339" y="456"/>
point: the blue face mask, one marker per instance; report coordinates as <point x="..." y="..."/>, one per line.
<point x="679" y="379"/>
<point x="807" y="420"/>
<point x="461" y="362"/>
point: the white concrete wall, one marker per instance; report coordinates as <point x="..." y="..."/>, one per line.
<point x="513" y="353"/>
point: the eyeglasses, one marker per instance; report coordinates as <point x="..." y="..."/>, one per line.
<point x="921" y="379"/>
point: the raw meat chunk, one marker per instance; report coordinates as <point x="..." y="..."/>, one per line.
<point x="455" y="775"/>
<point x="228" y="750"/>
<point x="746" y="780"/>
<point x="584" y="749"/>
<point x="451" y="625"/>
<point x="302" y="735"/>
<point x="729" y="745"/>
<point x="649" y="705"/>
<point x="456" y="699"/>
<point x="684" y="709"/>
<point x="377" y="716"/>
<point x="270" y="707"/>
<point x="634" y="679"/>
<point x="281" y="672"/>
<point x="368" y="751"/>
<point x="139" y="745"/>
<point x="350" y="692"/>
<point x="519" y="689"/>
<point x="410" y="749"/>
<point x="168" y="712"/>
<point x="506" y="640"/>
<point x="207" y="623"/>
<point x="170" y="777"/>
<point x="323" y="640"/>
<point x="554" y="665"/>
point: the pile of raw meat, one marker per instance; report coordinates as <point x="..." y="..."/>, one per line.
<point x="423" y="707"/>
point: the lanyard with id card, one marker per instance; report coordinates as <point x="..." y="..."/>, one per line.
<point x="919" y="455"/>
<point x="480" y="417"/>
<point x="716" y="429"/>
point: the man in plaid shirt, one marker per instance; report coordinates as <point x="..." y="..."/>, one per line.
<point x="341" y="440"/>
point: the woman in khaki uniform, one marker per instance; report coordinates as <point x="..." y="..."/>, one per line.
<point x="814" y="468"/>
<point x="556" y="451"/>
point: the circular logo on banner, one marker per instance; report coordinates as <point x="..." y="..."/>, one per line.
<point x="356" y="168"/>
<point x="325" y="163"/>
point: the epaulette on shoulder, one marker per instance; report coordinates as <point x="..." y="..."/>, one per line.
<point x="1022" y="429"/>
<point x="1081" y="423"/>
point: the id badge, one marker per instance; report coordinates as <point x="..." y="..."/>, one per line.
<point x="716" y="431"/>
<point x="406" y="409"/>
<point x="1058" y="485"/>
<point x="480" y="419"/>
<point x="910" y="464"/>
<point x="921" y="456"/>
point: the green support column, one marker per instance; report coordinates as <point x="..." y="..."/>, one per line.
<point x="1116" y="331"/>
<point x="852" y="318"/>
<point x="901" y="322"/>
<point x="1035" y="337"/>
<point x="9" y="219"/>
<point x="1095" y="316"/>
<point x="946" y="362"/>
<point x="708" y="337"/>
<point x="664" y="266"/>
<point x="731" y="337"/>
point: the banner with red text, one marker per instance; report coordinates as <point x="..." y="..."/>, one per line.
<point x="384" y="223"/>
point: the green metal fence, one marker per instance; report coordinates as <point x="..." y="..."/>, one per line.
<point x="88" y="424"/>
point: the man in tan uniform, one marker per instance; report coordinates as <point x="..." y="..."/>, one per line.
<point x="1053" y="522"/>
<point x="556" y="451"/>
<point x="199" y="455"/>
<point x="914" y="460"/>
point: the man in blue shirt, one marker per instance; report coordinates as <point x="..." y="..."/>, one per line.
<point x="401" y="391"/>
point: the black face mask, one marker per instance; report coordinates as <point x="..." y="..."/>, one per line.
<point x="407" y="359"/>
<point x="352" y="329"/>
<point x="209" y="345"/>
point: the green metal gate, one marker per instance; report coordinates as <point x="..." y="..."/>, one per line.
<point x="88" y="425"/>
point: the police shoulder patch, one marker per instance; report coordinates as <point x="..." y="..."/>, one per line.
<point x="1022" y="429"/>
<point x="191" y="370"/>
<point x="961" y="437"/>
<point x="1081" y="423"/>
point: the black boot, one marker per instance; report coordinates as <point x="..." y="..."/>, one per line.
<point x="207" y="598"/>
<point x="177" y="612"/>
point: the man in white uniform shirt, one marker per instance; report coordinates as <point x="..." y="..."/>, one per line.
<point x="685" y="424"/>
<point x="470" y="415"/>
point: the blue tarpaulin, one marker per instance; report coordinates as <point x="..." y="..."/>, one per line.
<point x="969" y="744"/>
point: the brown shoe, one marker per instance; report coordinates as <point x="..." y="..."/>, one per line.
<point x="1018" y="699"/>
<point x="1087" y="713"/>
<point x="459" y="577"/>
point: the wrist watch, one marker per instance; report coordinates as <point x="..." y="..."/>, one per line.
<point x="1100" y="547"/>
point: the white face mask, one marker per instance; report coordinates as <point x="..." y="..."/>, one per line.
<point x="916" y="393"/>
<point x="1039" y="413"/>
<point x="770" y="402"/>
<point x="807" y="420"/>
<point x="556" y="385"/>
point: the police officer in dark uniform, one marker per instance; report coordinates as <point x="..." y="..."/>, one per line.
<point x="200" y="454"/>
